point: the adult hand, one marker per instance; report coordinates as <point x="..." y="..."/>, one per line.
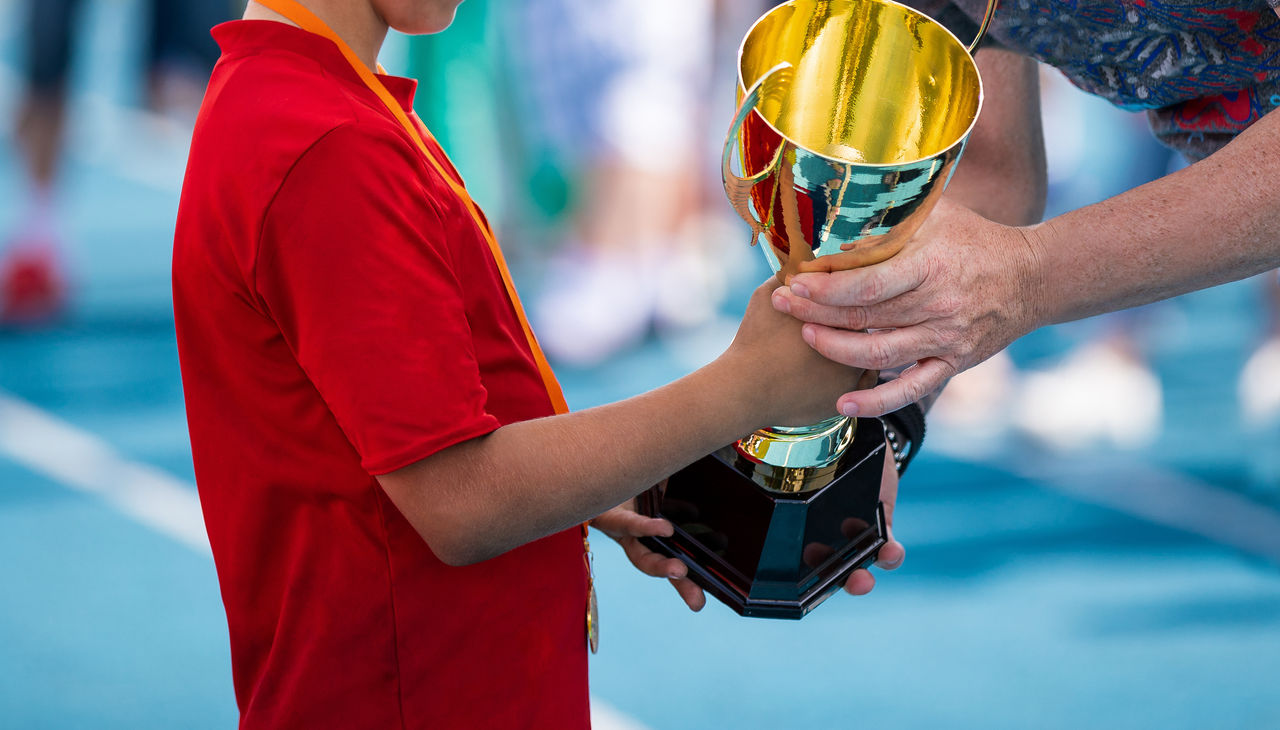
<point x="626" y="526"/>
<point x="961" y="290"/>
<point x="893" y="553"/>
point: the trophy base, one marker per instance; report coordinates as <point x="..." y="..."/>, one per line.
<point x="765" y="553"/>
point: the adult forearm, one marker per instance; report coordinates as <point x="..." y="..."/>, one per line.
<point x="964" y="287"/>
<point x="1213" y="222"/>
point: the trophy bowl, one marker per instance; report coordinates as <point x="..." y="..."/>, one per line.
<point x="852" y="116"/>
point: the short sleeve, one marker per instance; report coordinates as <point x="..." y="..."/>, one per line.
<point x="354" y="268"/>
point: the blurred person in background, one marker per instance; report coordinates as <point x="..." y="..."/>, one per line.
<point x="979" y="274"/>
<point x="1258" y="392"/>
<point x="178" y="57"/>
<point x="619" y="96"/>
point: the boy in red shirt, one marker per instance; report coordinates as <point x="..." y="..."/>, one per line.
<point x="393" y="503"/>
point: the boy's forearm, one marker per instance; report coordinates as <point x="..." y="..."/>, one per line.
<point x="526" y="480"/>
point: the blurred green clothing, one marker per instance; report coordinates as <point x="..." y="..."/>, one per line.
<point x="462" y="97"/>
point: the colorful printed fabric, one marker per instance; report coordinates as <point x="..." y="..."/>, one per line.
<point x="1203" y="70"/>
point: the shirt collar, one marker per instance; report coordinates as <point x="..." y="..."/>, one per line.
<point x="247" y="37"/>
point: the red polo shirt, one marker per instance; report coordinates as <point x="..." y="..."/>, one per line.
<point x="339" y="316"/>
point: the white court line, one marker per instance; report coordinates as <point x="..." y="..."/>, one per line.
<point x="1160" y="496"/>
<point x="82" y="461"/>
<point x="1164" y="497"/>
<point x="77" y="459"/>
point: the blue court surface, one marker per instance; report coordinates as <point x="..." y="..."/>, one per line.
<point x="1100" y="589"/>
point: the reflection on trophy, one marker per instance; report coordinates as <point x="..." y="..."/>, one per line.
<point x="852" y="116"/>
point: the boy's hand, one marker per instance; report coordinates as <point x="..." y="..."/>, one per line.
<point x="780" y="379"/>
<point x="626" y="526"/>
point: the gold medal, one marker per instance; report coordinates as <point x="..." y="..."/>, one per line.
<point x="593" y="610"/>
<point x="593" y="619"/>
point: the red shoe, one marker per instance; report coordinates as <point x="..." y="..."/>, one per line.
<point x="32" y="291"/>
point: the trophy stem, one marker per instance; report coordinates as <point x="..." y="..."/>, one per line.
<point x="796" y="459"/>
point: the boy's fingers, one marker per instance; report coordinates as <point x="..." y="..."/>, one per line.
<point x="893" y="553"/>
<point x="637" y="525"/>
<point x="619" y="523"/>
<point x="653" y="564"/>
<point x="693" y="596"/>
<point x="673" y="569"/>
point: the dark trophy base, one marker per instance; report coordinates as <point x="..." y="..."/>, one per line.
<point x="770" y="554"/>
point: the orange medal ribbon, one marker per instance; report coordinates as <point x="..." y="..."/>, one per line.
<point x="300" y="16"/>
<point x="305" y="19"/>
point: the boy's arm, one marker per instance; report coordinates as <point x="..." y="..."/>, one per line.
<point x="356" y="268"/>
<point x="482" y="497"/>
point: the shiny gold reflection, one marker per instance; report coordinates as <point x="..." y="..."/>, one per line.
<point x="873" y="102"/>
<point x="874" y="82"/>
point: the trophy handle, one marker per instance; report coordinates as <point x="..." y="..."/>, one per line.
<point x="737" y="187"/>
<point x="986" y="22"/>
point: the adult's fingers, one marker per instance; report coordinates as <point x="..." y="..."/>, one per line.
<point x="892" y="553"/>
<point x="883" y="315"/>
<point x="880" y="350"/>
<point x="860" y="582"/>
<point x="915" y="383"/>
<point x="862" y="286"/>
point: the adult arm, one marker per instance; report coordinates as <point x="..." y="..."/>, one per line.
<point x="1002" y="174"/>
<point x="965" y="287"/>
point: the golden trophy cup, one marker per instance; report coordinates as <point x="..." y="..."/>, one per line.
<point x="852" y="116"/>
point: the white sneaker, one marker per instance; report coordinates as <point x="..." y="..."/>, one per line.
<point x="1098" y="396"/>
<point x="689" y="288"/>
<point x="1259" y="385"/>
<point x="594" y="305"/>
<point x="1259" y="394"/>
<point x="971" y="417"/>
